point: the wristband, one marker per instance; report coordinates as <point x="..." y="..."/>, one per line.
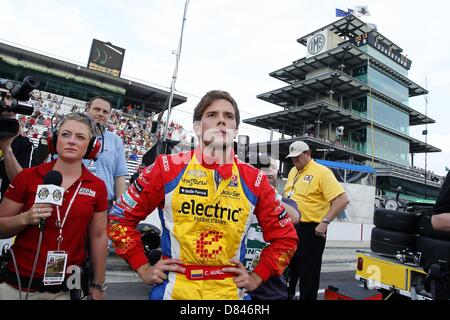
<point x="101" y="287"/>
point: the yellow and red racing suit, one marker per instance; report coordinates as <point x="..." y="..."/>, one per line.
<point x="205" y="213"/>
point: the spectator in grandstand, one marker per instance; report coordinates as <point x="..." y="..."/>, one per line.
<point x="111" y="165"/>
<point x="134" y="155"/>
<point x="33" y="133"/>
<point x="320" y="198"/>
<point x="47" y="122"/>
<point x="15" y="153"/>
<point x="40" y="120"/>
<point x="32" y="120"/>
<point x="135" y="175"/>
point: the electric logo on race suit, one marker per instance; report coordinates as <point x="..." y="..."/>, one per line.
<point x="194" y="182"/>
<point x="194" y="192"/>
<point x="87" y="192"/>
<point x="208" y="245"/>
<point x="234" y="181"/>
<point x="210" y="211"/>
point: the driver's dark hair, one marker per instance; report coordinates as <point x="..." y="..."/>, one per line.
<point x="209" y="98"/>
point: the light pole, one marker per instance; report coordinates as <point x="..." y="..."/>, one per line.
<point x="174" y="77"/>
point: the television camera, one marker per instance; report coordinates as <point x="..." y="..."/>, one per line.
<point x="257" y="159"/>
<point x="13" y="99"/>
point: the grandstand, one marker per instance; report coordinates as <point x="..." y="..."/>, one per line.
<point x="78" y="82"/>
<point x="65" y="87"/>
<point x="52" y="106"/>
<point x="40" y="131"/>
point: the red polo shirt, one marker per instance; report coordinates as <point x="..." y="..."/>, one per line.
<point x="91" y="198"/>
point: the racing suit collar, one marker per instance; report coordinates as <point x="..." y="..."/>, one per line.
<point x="224" y="170"/>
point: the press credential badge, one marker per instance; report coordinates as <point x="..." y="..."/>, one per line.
<point x="55" y="268"/>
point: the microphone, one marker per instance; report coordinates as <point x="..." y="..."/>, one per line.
<point x="50" y="192"/>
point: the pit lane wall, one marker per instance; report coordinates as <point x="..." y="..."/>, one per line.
<point x="349" y="231"/>
<point x="355" y="222"/>
<point x="337" y="230"/>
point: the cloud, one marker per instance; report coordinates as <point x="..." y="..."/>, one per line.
<point x="231" y="44"/>
<point x="54" y="27"/>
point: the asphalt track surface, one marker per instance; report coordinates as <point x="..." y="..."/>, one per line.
<point x="338" y="270"/>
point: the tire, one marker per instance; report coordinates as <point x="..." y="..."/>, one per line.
<point x="154" y="256"/>
<point x="396" y="220"/>
<point x="433" y="251"/>
<point x="423" y="209"/>
<point x="150" y="236"/>
<point x="424" y="228"/>
<point x="146" y="227"/>
<point x="391" y="242"/>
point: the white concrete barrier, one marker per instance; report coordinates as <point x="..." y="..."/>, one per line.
<point x="336" y="230"/>
<point x="349" y="231"/>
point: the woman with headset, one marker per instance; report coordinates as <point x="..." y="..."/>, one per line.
<point x="43" y="257"/>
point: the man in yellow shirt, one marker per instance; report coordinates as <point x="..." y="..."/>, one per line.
<point x="320" y="198"/>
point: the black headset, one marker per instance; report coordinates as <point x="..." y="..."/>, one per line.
<point x="94" y="144"/>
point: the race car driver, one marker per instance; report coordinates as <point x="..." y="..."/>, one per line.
<point x="205" y="200"/>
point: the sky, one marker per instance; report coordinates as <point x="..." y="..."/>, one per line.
<point x="233" y="45"/>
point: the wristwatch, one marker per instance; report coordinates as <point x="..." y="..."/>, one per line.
<point x="325" y="220"/>
<point x="101" y="287"/>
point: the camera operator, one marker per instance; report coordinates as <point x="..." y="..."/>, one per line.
<point x="15" y="152"/>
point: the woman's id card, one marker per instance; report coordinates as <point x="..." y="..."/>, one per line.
<point x="55" y="268"/>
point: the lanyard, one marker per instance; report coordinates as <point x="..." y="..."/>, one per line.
<point x="291" y="193"/>
<point x="59" y="224"/>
